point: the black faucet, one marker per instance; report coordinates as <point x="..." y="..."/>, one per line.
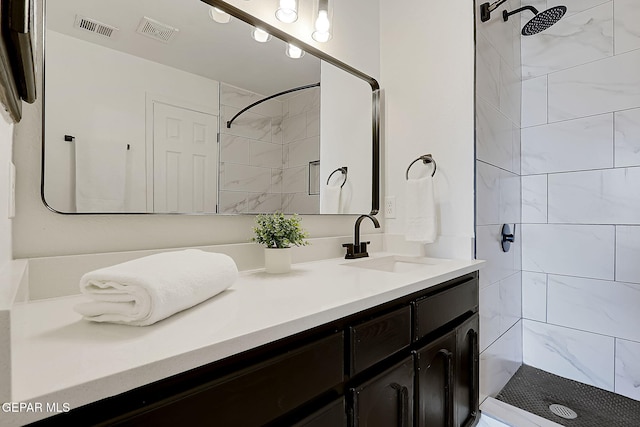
<point x="358" y="249"/>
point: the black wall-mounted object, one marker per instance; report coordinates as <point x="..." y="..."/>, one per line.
<point x="507" y="237"/>
<point x="17" y="71"/>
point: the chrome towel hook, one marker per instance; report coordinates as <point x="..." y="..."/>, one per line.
<point x="342" y="169"/>
<point x="426" y="158"/>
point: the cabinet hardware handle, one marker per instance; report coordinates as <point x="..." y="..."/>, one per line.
<point x="403" y="404"/>
<point x="448" y="357"/>
<point x="473" y="401"/>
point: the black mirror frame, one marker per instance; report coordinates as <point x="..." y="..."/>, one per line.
<point x="375" y="87"/>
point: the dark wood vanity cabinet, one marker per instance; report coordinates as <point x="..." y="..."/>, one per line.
<point x="412" y="361"/>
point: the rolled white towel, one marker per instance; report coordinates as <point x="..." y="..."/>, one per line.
<point x="145" y="290"/>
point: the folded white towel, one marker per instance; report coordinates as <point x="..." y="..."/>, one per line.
<point x="331" y="199"/>
<point x="421" y="223"/>
<point x="145" y="290"/>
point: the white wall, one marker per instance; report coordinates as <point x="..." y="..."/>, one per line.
<point x="116" y="85"/>
<point x="6" y="137"/>
<point x="39" y="232"/>
<point x="427" y="63"/>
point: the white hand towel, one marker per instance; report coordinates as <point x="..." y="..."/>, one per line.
<point x="100" y="175"/>
<point x="421" y="223"/>
<point x="145" y="290"/>
<point x="331" y="199"/>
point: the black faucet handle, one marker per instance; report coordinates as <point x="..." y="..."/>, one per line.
<point x="363" y="246"/>
<point x="350" y="250"/>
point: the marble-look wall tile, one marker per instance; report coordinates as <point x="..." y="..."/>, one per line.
<point x="517" y="150"/>
<point x="494" y="138"/>
<point x="604" y="86"/>
<point x="627" y="367"/>
<point x="249" y="125"/>
<point x="569" y="353"/>
<point x="627" y="137"/>
<point x="232" y="202"/>
<point x="313" y="123"/>
<point x="264" y="202"/>
<point x="301" y="203"/>
<point x="510" y="301"/>
<point x="576" y="6"/>
<point x="265" y="154"/>
<point x="628" y="254"/>
<point x="575" y="250"/>
<point x="534" y="296"/>
<point x="489" y="315"/>
<point x="234" y="149"/>
<point x="598" y="306"/>
<point x="276" y="180"/>
<point x="294" y="180"/>
<point x="500" y="265"/>
<point x="245" y="178"/>
<point x="294" y="128"/>
<point x="487" y="71"/>
<point x="626" y="18"/>
<point x="534" y="101"/>
<point x="534" y="199"/>
<point x="571" y="145"/>
<point x="509" y="198"/>
<point x="574" y="40"/>
<point x="302" y="152"/>
<point x="499" y="34"/>
<point x="595" y="197"/>
<point x="487" y="194"/>
<point x="305" y="100"/>
<point x="510" y="92"/>
<point x="500" y="361"/>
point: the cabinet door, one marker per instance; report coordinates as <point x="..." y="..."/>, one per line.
<point x="467" y="373"/>
<point x="332" y="415"/>
<point x="387" y="399"/>
<point x="434" y="372"/>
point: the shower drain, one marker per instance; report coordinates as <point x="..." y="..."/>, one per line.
<point x="563" y="411"/>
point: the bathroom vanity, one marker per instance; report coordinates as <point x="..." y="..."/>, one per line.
<point x="378" y="342"/>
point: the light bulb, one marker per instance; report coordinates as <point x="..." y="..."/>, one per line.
<point x="260" y="35"/>
<point x="288" y="11"/>
<point x="322" y="25"/>
<point x="321" y="37"/>
<point x="219" y="16"/>
<point x="322" y="22"/>
<point x="294" y="51"/>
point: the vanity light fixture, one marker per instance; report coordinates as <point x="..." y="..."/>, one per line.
<point x="287" y="11"/>
<point x="294" y="52"/>
<point x="323" y="13"/>
<point x="260" y="35"/>
<point x="219" y="16"/>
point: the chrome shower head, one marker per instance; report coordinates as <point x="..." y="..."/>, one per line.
<point x="541" y="21"/>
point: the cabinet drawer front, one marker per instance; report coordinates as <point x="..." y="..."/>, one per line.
<point x="378" y="338"/>
<point x="259" y="394"/>
<point x="435" y="311"/>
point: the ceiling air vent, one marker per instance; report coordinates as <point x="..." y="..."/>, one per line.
<point x="156" y="30"/>
<point x="93" y="26"/>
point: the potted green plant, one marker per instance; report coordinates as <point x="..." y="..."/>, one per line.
<point x="277" y="233"/>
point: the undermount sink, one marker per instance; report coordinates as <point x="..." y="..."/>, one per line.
<point x="396" y="263"/>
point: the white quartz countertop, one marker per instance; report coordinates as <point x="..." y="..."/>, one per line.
<point x="59" y="357"/>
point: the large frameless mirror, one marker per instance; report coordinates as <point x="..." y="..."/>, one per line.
<point x="160" y="106"/>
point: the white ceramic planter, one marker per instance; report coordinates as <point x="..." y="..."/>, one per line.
<point x="277" y="260"/>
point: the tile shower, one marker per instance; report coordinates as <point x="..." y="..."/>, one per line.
<point x="576" y="158"/>
<point x="265" y="156"/>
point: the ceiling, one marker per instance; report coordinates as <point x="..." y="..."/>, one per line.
<point x="223" y="52"/>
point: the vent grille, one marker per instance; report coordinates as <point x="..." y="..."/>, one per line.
<point x="96" y="27"/>
<point x="156" y="30"/>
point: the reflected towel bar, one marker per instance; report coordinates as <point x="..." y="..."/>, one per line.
<point x="342" y="169"/>
<point x="426" y="158"/>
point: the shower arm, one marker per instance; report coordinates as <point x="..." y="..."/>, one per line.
<point x="271" y="97"/>
<point x="486" y="9"/>
<point x="506" y="15"/>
